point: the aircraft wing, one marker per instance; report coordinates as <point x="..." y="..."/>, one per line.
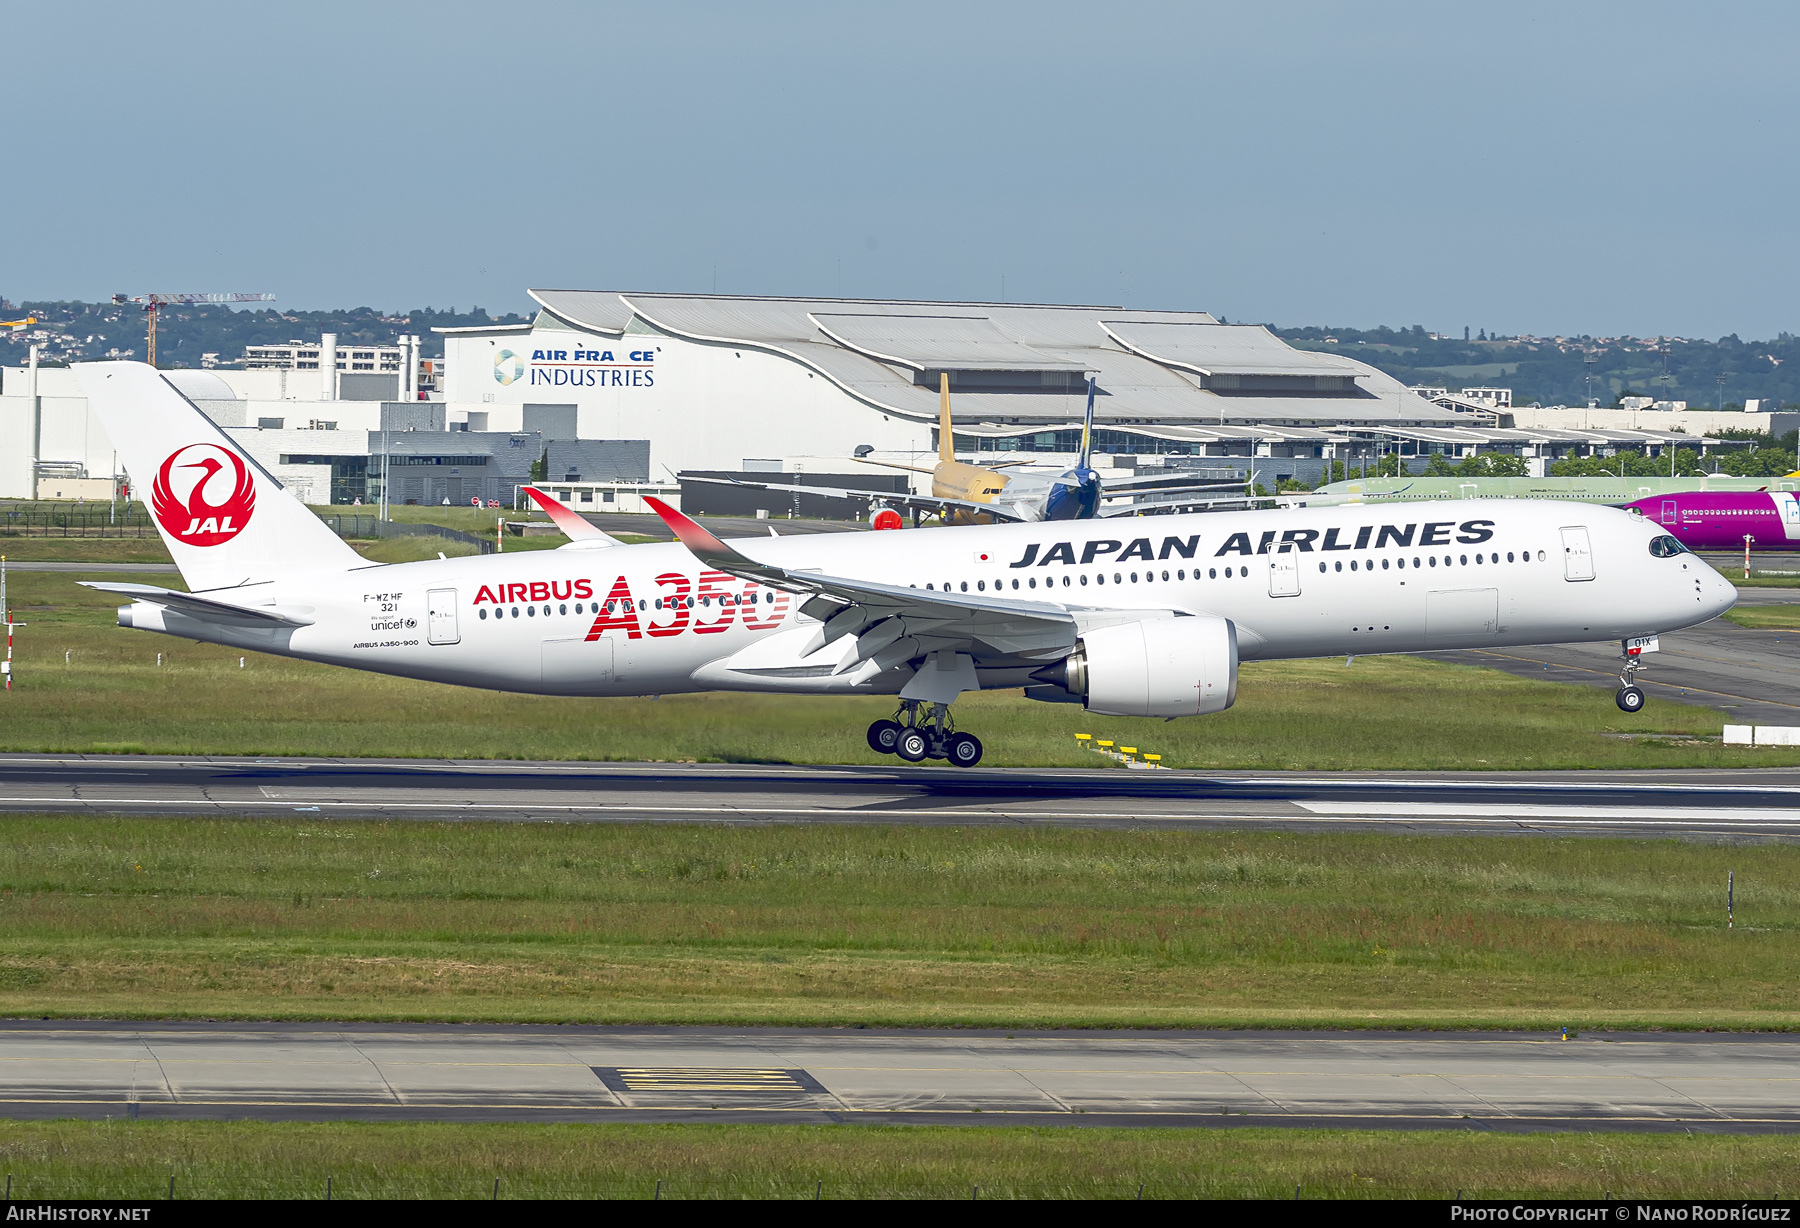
<point x="926" y="503"/>
<point x="863" y="460"/>
<point x="203" y="607"/>
<point x="892" y="624"/>
<point x="1160" y="505"/>
<point x="581" y="534"/>
<point x="1149" y="481"/>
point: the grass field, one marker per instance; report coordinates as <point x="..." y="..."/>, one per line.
<point x="1767" y="617"/>
<point x="806" y="924"/>
<point x="244" y="1160"/>
<point x="1733" y="570"/>
<point x="1380" y="712"/>
<point x="84" y="550"/>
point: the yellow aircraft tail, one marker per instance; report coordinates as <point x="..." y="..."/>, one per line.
<point x="946" y="439"/>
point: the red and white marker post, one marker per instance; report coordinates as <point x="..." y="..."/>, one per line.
<point x="6" y="613"/>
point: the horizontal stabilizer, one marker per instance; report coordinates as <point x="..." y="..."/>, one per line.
<point x="203" y="607"/>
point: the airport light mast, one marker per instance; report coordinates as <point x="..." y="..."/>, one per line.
<point x="152" y="302"/>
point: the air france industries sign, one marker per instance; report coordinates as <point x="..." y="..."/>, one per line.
<point x="589" y="364"/>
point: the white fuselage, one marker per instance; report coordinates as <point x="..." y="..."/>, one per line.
<point x="1297" y="583"/>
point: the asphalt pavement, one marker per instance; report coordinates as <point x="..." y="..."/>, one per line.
<point x="12" y="565"/>
<point x="1751" y="677"/>
<point x="1709" y="804"/>
<point x="1739" y="1083"/>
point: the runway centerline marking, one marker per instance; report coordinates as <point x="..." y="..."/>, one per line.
<point x="1528" y="810"/>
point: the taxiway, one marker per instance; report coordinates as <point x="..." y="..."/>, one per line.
<point x="385" y="1072"/>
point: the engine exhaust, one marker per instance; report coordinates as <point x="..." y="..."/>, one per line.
<point x="1070" y="673"/>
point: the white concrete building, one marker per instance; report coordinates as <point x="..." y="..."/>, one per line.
<point x="304" y="356"/>
<point x="716" y="381"/>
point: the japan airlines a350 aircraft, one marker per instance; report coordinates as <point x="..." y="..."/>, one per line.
<point x="1147" y="617"/>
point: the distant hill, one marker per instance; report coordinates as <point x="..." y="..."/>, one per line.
<point x="1547" y="370"/>
<point x="76" y="331"/>
<point x="1553" y="370"/>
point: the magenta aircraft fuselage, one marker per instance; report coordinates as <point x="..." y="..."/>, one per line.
<point x="1721" y="520"/>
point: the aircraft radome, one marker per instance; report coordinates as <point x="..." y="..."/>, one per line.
<point x="1145" y="617"/>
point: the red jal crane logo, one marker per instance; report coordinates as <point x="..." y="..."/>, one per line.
<point x="186" y="486"/>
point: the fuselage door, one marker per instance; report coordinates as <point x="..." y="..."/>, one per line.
<point x="1668" y="516"/>
<point x="440" y="607"/>
<point x="1578" y="553"/>
<point x="1284" y="573"/>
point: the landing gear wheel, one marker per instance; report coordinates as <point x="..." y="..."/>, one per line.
<point x="1629" y="699"/>
<point x="882" y="737"/>
<point x="964" y="750"/>
<point x="912" y="745"/>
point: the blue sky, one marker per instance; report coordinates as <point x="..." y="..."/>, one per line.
<point x="1518" y="167"/>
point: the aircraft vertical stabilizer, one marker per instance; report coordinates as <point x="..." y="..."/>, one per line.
<point x="224" y="518"/>
<point x="1087" y="428"/>
<point x="946" y="438"/>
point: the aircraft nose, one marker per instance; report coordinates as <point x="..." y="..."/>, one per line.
<point x="1717" y="594"/>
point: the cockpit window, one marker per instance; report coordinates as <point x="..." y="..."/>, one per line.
<point x="1663" y="546"/>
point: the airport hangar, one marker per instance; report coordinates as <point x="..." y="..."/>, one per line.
<point x="624" y="390"/>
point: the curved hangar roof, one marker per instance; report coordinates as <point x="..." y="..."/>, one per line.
<point x="1016" y="368"/>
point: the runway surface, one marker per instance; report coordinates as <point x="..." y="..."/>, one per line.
<point x="1749" y="676"/>
<point x="80" y="568"/>
<point x="1708" y="804"/>
<point x="1507" y="1082"/>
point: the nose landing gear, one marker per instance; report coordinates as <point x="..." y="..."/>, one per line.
<point x="922" y="731"/>
<point x="1631" y="696"/>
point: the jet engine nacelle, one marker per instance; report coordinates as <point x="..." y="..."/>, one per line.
<point x="1160" y="667"/>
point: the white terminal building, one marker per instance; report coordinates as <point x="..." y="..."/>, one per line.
<point x="621" y="391"/>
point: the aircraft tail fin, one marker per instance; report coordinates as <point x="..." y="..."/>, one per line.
<point x="1087" y="426"/>
<point x="224" y="518"/>
<point x="946" y="437"/>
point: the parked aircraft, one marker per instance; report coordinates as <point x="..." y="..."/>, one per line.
<point x="1759" y="520"/>
<point x="1146" y="618"/>
<point x="1421" y="488"/>
<point x="981" y="494"/>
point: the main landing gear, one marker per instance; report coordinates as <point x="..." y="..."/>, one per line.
<point x="1631" y="696"/>
<point x="921" y="731"/>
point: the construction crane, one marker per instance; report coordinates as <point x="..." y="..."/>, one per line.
<point x="153" y="301"/>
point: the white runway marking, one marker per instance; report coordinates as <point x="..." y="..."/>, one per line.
<point x="1474" y="810"/>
